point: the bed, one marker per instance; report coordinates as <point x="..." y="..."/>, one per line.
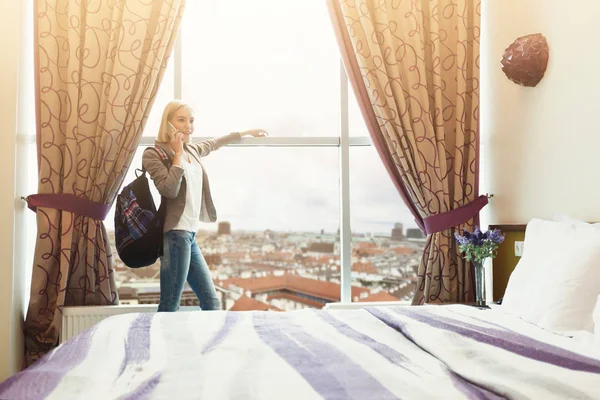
<point x="426" y="352"/>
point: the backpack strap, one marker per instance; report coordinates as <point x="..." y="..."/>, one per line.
<point x="164" y="157"/>
<point x="161" y="153"/>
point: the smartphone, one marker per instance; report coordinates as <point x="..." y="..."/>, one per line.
<point x="173" y="130"/>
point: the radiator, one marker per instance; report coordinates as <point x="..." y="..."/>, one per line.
<point x="78" y="319"/>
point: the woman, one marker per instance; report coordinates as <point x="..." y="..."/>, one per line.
<point x="185" y="185"/>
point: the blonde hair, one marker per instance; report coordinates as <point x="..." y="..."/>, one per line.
<point x="170" y="110"/>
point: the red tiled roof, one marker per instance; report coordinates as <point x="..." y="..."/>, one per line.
<point x="279" y="256"/>
<point x="402" y="250"/>
<point x="245" y="303"/>
<point x="380" y="296"/>
<point x="298" y="299"/>
<point x="261" y="267"/>
<point x="366" y="245"/>
<point x="238" y="255"/>
<point x="321" y="289"/>
<point x="371" y="252"/>
<point x="367" y="267"/>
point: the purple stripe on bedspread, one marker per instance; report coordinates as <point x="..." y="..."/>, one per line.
<point x="137" y="344"/>
<point x="510" y="341"/>
<point x="470" y="390"/>
<point x="231" y="319"/>
<point x="137" y="352"/>
<point x="382" y="349"/>
<point x="144" y="390"/>
<point x="39" y="380"/>
<point x="330" y="372"/>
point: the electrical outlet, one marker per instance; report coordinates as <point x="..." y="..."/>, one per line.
<point x="519" y="248"/>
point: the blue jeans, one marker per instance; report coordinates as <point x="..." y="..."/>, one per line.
<point x="183" y="260"/>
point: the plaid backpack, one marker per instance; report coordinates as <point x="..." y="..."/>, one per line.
<point x="138" y="224"/>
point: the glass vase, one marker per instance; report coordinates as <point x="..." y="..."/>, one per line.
<point x="479" y="283"/>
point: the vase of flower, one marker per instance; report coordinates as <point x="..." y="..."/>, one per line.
<point x="477" y="246"/>
<point x="479" y="283"/>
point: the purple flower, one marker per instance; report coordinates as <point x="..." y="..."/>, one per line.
<point x="476" y="237"/>
<point x="496" y="236"/>
<point x="477" y="245"/>
<point x="461" y="239"/>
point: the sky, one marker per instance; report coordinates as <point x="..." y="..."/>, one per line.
<point x="275" y="65"/>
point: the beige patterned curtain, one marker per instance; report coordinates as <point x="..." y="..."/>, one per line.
<point x="98" y="68"/>
<point x="414" y="67"/>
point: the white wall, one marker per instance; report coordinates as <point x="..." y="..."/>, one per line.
<point x="542" y="144"/>
<point x="12" y="237"/>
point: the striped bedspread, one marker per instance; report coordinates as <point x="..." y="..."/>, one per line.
<point x="430" y="352"/>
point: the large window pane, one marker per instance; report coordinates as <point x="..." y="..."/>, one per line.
<point x="386" y="243"/>
<point x="282" y="207"/>
<point x="267" y="64"/>
<point x="275" y="245"/>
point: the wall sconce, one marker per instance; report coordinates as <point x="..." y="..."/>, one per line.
<point x="524" y="62"/>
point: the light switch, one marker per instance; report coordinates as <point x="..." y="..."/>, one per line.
<point x="519" y="248"/>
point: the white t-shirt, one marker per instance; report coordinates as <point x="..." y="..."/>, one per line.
<point x="190" y="219"/>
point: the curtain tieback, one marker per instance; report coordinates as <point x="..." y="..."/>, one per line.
<point x="70" y="203"/>
<point x="452" y="218"/>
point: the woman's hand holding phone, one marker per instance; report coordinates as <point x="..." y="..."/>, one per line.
<point x="176" y="140"/>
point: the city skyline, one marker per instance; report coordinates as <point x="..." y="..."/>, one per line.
<point x="281" y="272"/>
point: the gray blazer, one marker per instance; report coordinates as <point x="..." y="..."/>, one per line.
<point x="170" y="182"/>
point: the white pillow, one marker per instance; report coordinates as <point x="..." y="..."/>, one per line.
<point x="596" y="317"/>
<point x="557" y="281"/>
<point x="518" y="297"/>
<point x="576" y="223"/>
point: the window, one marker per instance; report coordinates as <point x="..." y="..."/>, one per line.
<point x="267" y="64"/>
<point x="386" y="243"/>
<point x="285" y="203"/>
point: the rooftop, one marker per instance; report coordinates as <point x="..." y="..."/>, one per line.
<point x="321" y="289"/>
<point x="245" y="303"/>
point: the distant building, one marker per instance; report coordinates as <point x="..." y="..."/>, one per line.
<point x="414" y="233"/>
<point x="212" y="260"/>
<point x="151" y="295"/>
<point x="380" y="296"/>
<point x="245" y="303"/>
<point x="224" y="228"/>
<point x="398" y="232"/>
<point x="289" y="291"/>
<point x="365" y="268"/>
<point x="321" y="248"/>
